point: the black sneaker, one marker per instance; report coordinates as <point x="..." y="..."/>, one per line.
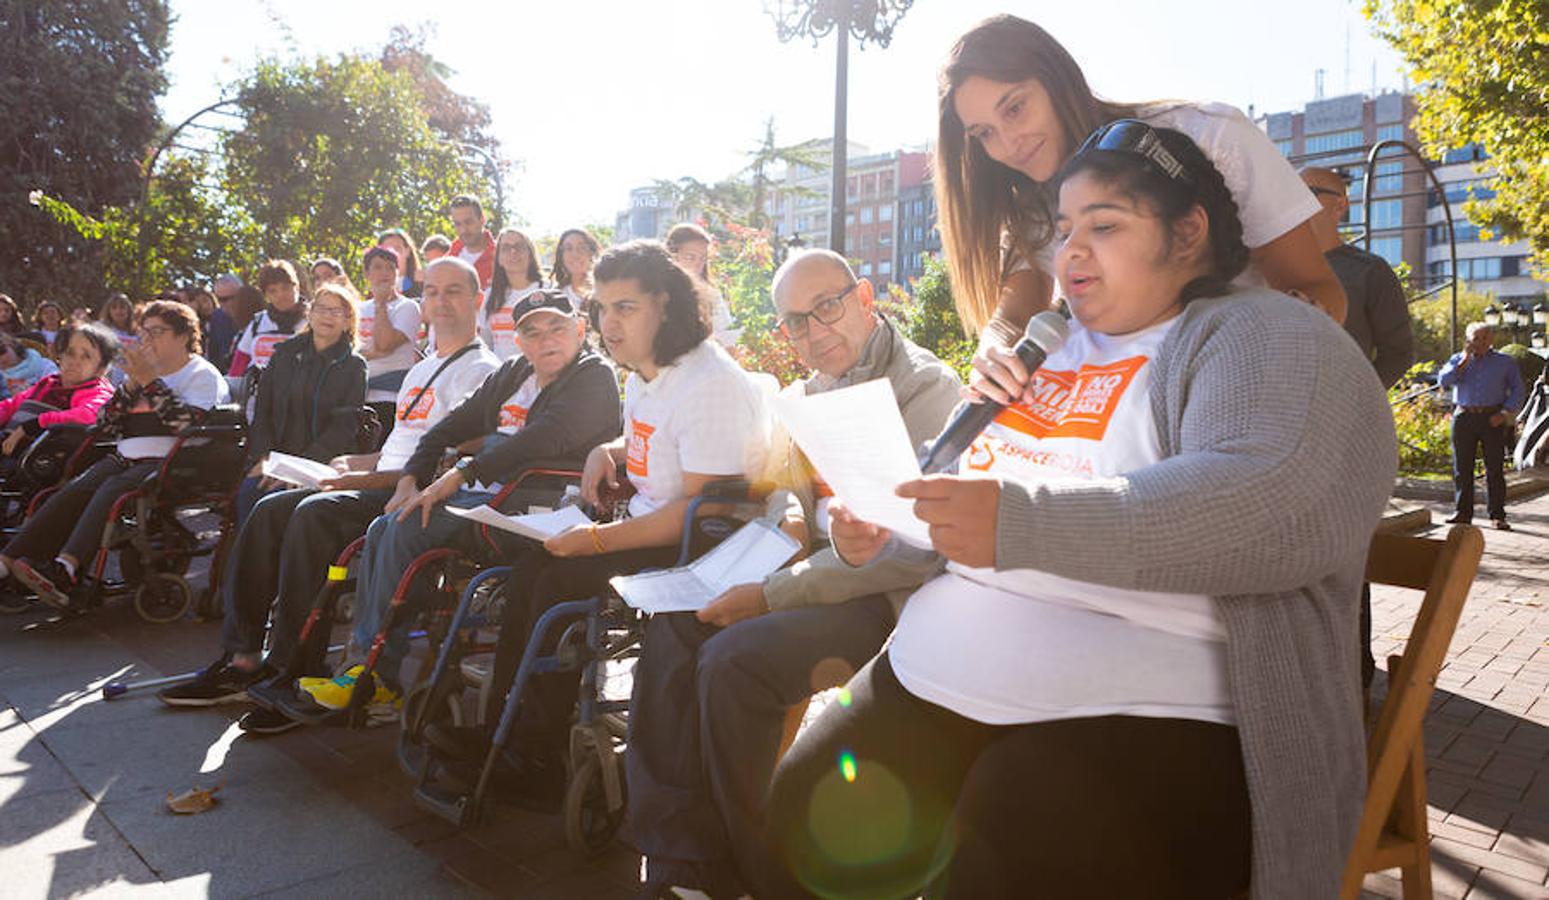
<point x="266" y="721"/>
<point x="220" y="683"/>
<point x="49" y="580"/>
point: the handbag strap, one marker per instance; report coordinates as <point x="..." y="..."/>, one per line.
<point x="408" y="410"/>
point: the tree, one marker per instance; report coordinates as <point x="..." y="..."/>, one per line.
<point x="78" y="88"/>
<point x="334" y="150"/>
<point x="1485" y="67"/>
<point x="768" y="154"/>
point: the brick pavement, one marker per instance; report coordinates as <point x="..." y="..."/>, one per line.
<point x="1487" y="733"/>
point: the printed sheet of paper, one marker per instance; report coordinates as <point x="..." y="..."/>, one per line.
<point x="538" y="526"/>
<point x="857" y="441"/>
<point x="748" y="556"/>
<point x="297" y="470"/>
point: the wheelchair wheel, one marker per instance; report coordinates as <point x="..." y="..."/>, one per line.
<point x="589" y="824"/>
<point x="163" y="597"/>
<point x="133" y="569"/>
<point x="411" y="755"/>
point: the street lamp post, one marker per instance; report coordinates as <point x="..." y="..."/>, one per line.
<point x="865" y="20"/>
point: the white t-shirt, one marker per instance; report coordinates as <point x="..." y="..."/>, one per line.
<point x="513" y="415"/>
<point x="404" y="314"/>
<point x="471" y="257"/>
<point x="498" y="329"/>
<point x="1271" y="198"/>
<point x="578" y="300"/>
<point x="449" y="389"/>
<point x="198" y="384"/>
<point x="261" y="336"/>
<point x="702" y="414"/>
<point x="1026" y="646"/>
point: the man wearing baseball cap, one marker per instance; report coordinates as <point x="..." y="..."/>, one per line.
<point x="554" y="402"/>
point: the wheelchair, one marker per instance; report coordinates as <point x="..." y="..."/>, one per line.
<point x="596" y="637"/>
<point x="40" y="466"/>
<point x="445" y="570"/>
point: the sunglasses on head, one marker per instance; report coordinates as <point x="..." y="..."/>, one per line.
<point x="1136" y="138"/>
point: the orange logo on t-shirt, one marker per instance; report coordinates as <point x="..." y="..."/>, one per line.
<point x="1073" y="404"/>
<point x="513" y="416"/>
<point x="264" y="344"/>
<point x="639" y="458"/>
<point x="421" y="410"/>
<point x="980" y="456"/>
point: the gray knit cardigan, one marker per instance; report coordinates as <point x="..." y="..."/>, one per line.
<point x="1278" y="458"/>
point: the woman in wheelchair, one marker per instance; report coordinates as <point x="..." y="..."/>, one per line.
<point x="691" y="416"/>
<point x="21" y="366"/>
<point x="310" y="404"/>
<point x="169" y="387"/>
<point x="1135" y="677"/>
<point x="69" y="398"/>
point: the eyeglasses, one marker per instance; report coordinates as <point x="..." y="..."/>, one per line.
<point x="1136" y="138"/>
<point x="328" y="312"/>
<point x="827" y="311"/>
<point x="154" y="331"/>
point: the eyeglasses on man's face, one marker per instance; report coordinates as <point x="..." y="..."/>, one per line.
<point x="827" y="311"/>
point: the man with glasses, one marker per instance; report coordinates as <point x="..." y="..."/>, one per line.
<point x="552" y="402"/>
<point x="711" y="689"/>
<point x="1377" y="313"/>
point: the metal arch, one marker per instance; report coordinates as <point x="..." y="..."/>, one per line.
<point x="1446" y="207"/>
<point x="494" y="169"/>
<point x="150" y="164"/>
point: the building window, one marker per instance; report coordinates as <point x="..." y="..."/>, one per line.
<point x="885" y="267"/>
<point x="1338" y="140"/>
<point x="1390" y="249"/>
<point x="884" y="214"/>
<point x="1390" y="178"/>
<point x="849" y="220"/>
<point x="1286" y="148"/>
<point x="885" y="183"/>
<point x="865" y="270"/>
<point x="866" y="215"/>
<point x="1387" y="214"/>
<point x="885" y="239"/>
<point x="863" y="242"/>
<point x="1390" y="132"/>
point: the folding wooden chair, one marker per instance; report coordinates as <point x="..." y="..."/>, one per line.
<point x="1393" y="830"/>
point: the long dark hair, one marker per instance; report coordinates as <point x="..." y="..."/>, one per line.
<point x="1172" y="198"/>
<point x="561" y="276"/>
<point x="499" y="283"/>
<point x="688" y="233"/>
<point x="980" y="199"/>
<point x="15" y="325"/>
<point x="650" y="265"/>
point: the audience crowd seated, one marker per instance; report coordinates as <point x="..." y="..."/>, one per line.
<point x="1138" y="611"/>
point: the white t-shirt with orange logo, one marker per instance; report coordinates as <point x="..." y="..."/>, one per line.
<point x="497" y="328"/>
<point x="702" y="414"/>
<point x="449" y="389"/>
<point x="1021" y="645"/>
<point x="404" y="314"/>
<point x="260" y="338"/>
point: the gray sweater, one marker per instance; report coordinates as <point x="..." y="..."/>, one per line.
<point x="1280" y="456"/>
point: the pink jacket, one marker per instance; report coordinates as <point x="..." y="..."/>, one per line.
<point x="85" y="400"/>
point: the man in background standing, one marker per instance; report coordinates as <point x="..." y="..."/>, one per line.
<point x="1486" y="394"/>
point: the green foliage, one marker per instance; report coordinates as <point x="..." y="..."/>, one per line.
<point x="332" y="151"/>
<point x="1485" y="66"/>
<point x="743" y="270"/>
<point x="930" y="318"/>
<point x="1431" y="320"/>
<point x="78" y="88"/>
<point x="1530" y="364"/>
<point x="1424" y="433"/>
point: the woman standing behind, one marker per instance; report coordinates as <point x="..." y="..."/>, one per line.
<point x="282" y="318"/>
<point x="308" y="404"/>
<point x="516" y="275"/>
<point x="1013" y="105"/>
<point x="411" y="280"/>
<point x="46" y="320"/>
<point x="389" y="326"/>
<point x="324" y="271"/>
<point x="574" y="256"/>
<point x="118" y="315"/>
<point x="21" y="367"/>
<point x="690" y="247"/>
<point x="10" y="317"/>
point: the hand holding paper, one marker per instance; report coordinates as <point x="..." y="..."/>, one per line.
<point x="297" y="470"/>
<point x="856" y="439"/>
<point x="538" y="526"/>
<point x="749" y="555"/>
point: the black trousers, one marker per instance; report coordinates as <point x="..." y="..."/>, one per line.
<point x="888" y="795"/>
<point x="539" y="581"/>
<point x="281" y="558"/>
<point x="1470" y="431"/>
<point x="706" y="718"/>
<point x="73" y="518"/>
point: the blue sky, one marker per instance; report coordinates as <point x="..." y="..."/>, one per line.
<point x="597" y="96"/>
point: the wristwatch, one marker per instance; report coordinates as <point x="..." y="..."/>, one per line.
<point x="468" y="468"/>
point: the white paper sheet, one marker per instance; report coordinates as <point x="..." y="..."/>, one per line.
<point x="538" y="526"/>
<point x="857" y="441"/>
<point x="746" y="557"/>
<point x="297" y="470"/>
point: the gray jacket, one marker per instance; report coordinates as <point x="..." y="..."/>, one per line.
<point x="927" y="390"/>
<point x="1279" y="455"/>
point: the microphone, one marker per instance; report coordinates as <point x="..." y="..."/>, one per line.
<point x="1046" y="333"/>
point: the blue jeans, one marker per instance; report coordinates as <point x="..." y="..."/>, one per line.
<point x="391" y="546"/>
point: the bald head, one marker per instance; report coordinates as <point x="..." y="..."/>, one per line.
<point x="805" y="264"/>
<point x="1329" y="187"/>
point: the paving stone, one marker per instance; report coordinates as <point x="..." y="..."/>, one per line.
<point x="400" y="876"/>
<point x="1497" y="886"/>
<point x="71" y="848"/>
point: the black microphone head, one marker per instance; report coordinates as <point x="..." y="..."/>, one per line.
<point x="1048" y="330"/>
